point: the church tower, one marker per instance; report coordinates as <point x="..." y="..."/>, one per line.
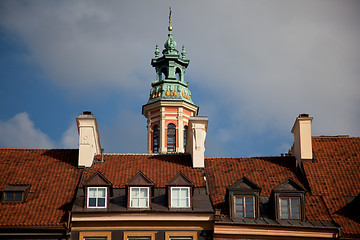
<point x="169" y="107"/>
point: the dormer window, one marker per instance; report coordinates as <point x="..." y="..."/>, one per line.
<point x="14" y="193"/>
<point x="97" y="197"/>
<point x="180" y="197"/>
<point x="244" y="206"/>
<point x="139" y="197"/>
<point x="243" y="199"/>
<point x="139" y="191"/>
<point x="179" y="190"/>
<point x="289" y="200"/>
<point x="289" y="207"/>
<point x="97" y="191"/>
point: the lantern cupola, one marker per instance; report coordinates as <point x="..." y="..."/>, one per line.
<point x="169" y="106"/>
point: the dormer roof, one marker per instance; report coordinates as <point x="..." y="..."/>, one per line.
<point x="180" y="180"/>
<point x="97" y="179"/>
<point x="244" y="184"/>
<point x="289" y="186"/>
<point x="140" y="180"/>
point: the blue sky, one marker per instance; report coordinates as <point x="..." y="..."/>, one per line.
<point x="254" y="66"/>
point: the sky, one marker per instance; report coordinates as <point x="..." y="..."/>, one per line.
<point x="255" y="65"/>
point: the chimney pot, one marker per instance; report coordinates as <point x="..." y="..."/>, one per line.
<point x="303" y="115"/>
<point x="87" y="113"/>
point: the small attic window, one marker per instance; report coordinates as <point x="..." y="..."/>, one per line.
<point x="14" y="193"/>
<point x="97" y="191"/>
<point x="180" y="190"/>
<point x="139" y="191"/>
<point x="244" y="206"/>
<point x="289" y="207"/>
<point x="243" y="199"/>
<point x="180" y="197"/>
<point x="289" y="199"/>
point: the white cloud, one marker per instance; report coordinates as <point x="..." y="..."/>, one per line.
<point x="20" y="132"/>
<point x="70" y="138"/>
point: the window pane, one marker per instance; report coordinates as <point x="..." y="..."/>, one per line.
<point x="184" y="192"/>
<point x="284" y="202"/>
<point x="239" y="200"/>
<point x="143" y="202"/>
<point x="180" y="197"/>
<point x="17" y="196"/>
<point x="250" y="214"/>
<point x="240" y="214"/>
<point x="143" y="192"/>
<point x="92" y="202"/>
<point x="138" y="238"/>
<point x="284" y="215"/>
<point x="101" y="202"/>
<point x="8" y="196"/>
<point x="96" y="197"/>
<point x="171" y="138"/>
<point x="295" y="216"/>
<point x="176" y="193"/>
<point x="248" y="200"/>
<point x="92" y="192"/>
<point x="239" y="207"/>
<point x="156" y="139"/>
<point x="101" y="192"/>
<point x="294" y="201"/>
<point x="181" y="238"/>
<point x="134" y="192"/>
<point x="135" y="202"/>
<point x="95" y="238"/>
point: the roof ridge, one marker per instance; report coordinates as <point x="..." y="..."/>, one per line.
<point x="37" y="149"/>
<point x="144" y="154"/>
<point x="248" y="157"/>
<point x="337" y="136"/>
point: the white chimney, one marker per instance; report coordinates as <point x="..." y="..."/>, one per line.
<point x="89" y="140"/>
<point x="302" y="149"/>
<point x="196" y="140"/>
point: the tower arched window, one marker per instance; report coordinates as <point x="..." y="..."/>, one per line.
<point x="163" y="73"/>
<point x="171" y="138"/>
<point x="178" y="74"/>
<point x="185" y="136"/>
<point x="156" y="139"/>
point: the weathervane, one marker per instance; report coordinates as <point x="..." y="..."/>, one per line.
<point x="170" y="27"/>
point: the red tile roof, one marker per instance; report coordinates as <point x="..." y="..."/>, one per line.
<point x="266" y="172"/>
<point x="52" y="176"/>
<point x="335" y="175"/>
<point x="159" y="168"/>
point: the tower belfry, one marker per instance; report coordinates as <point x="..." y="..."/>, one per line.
<point x="169" y="107"/>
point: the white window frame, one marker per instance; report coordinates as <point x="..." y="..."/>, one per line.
<point x="147" y="199"/>
<point x="172" y="197"/>
<point x="88" y="197"/>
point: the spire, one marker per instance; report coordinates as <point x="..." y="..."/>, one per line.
<point x="169" y="96"/>
<point x="170" y="84"/>
<point x="170" y="43"/>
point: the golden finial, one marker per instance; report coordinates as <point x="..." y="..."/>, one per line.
<point x="170" y="27"/>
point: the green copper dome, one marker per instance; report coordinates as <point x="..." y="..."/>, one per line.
<point x="170" y="70"/>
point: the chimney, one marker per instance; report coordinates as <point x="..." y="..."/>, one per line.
<point x="302" y="148"/>
<point x="89" y="140"/>
<point x="196" y="140"/>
